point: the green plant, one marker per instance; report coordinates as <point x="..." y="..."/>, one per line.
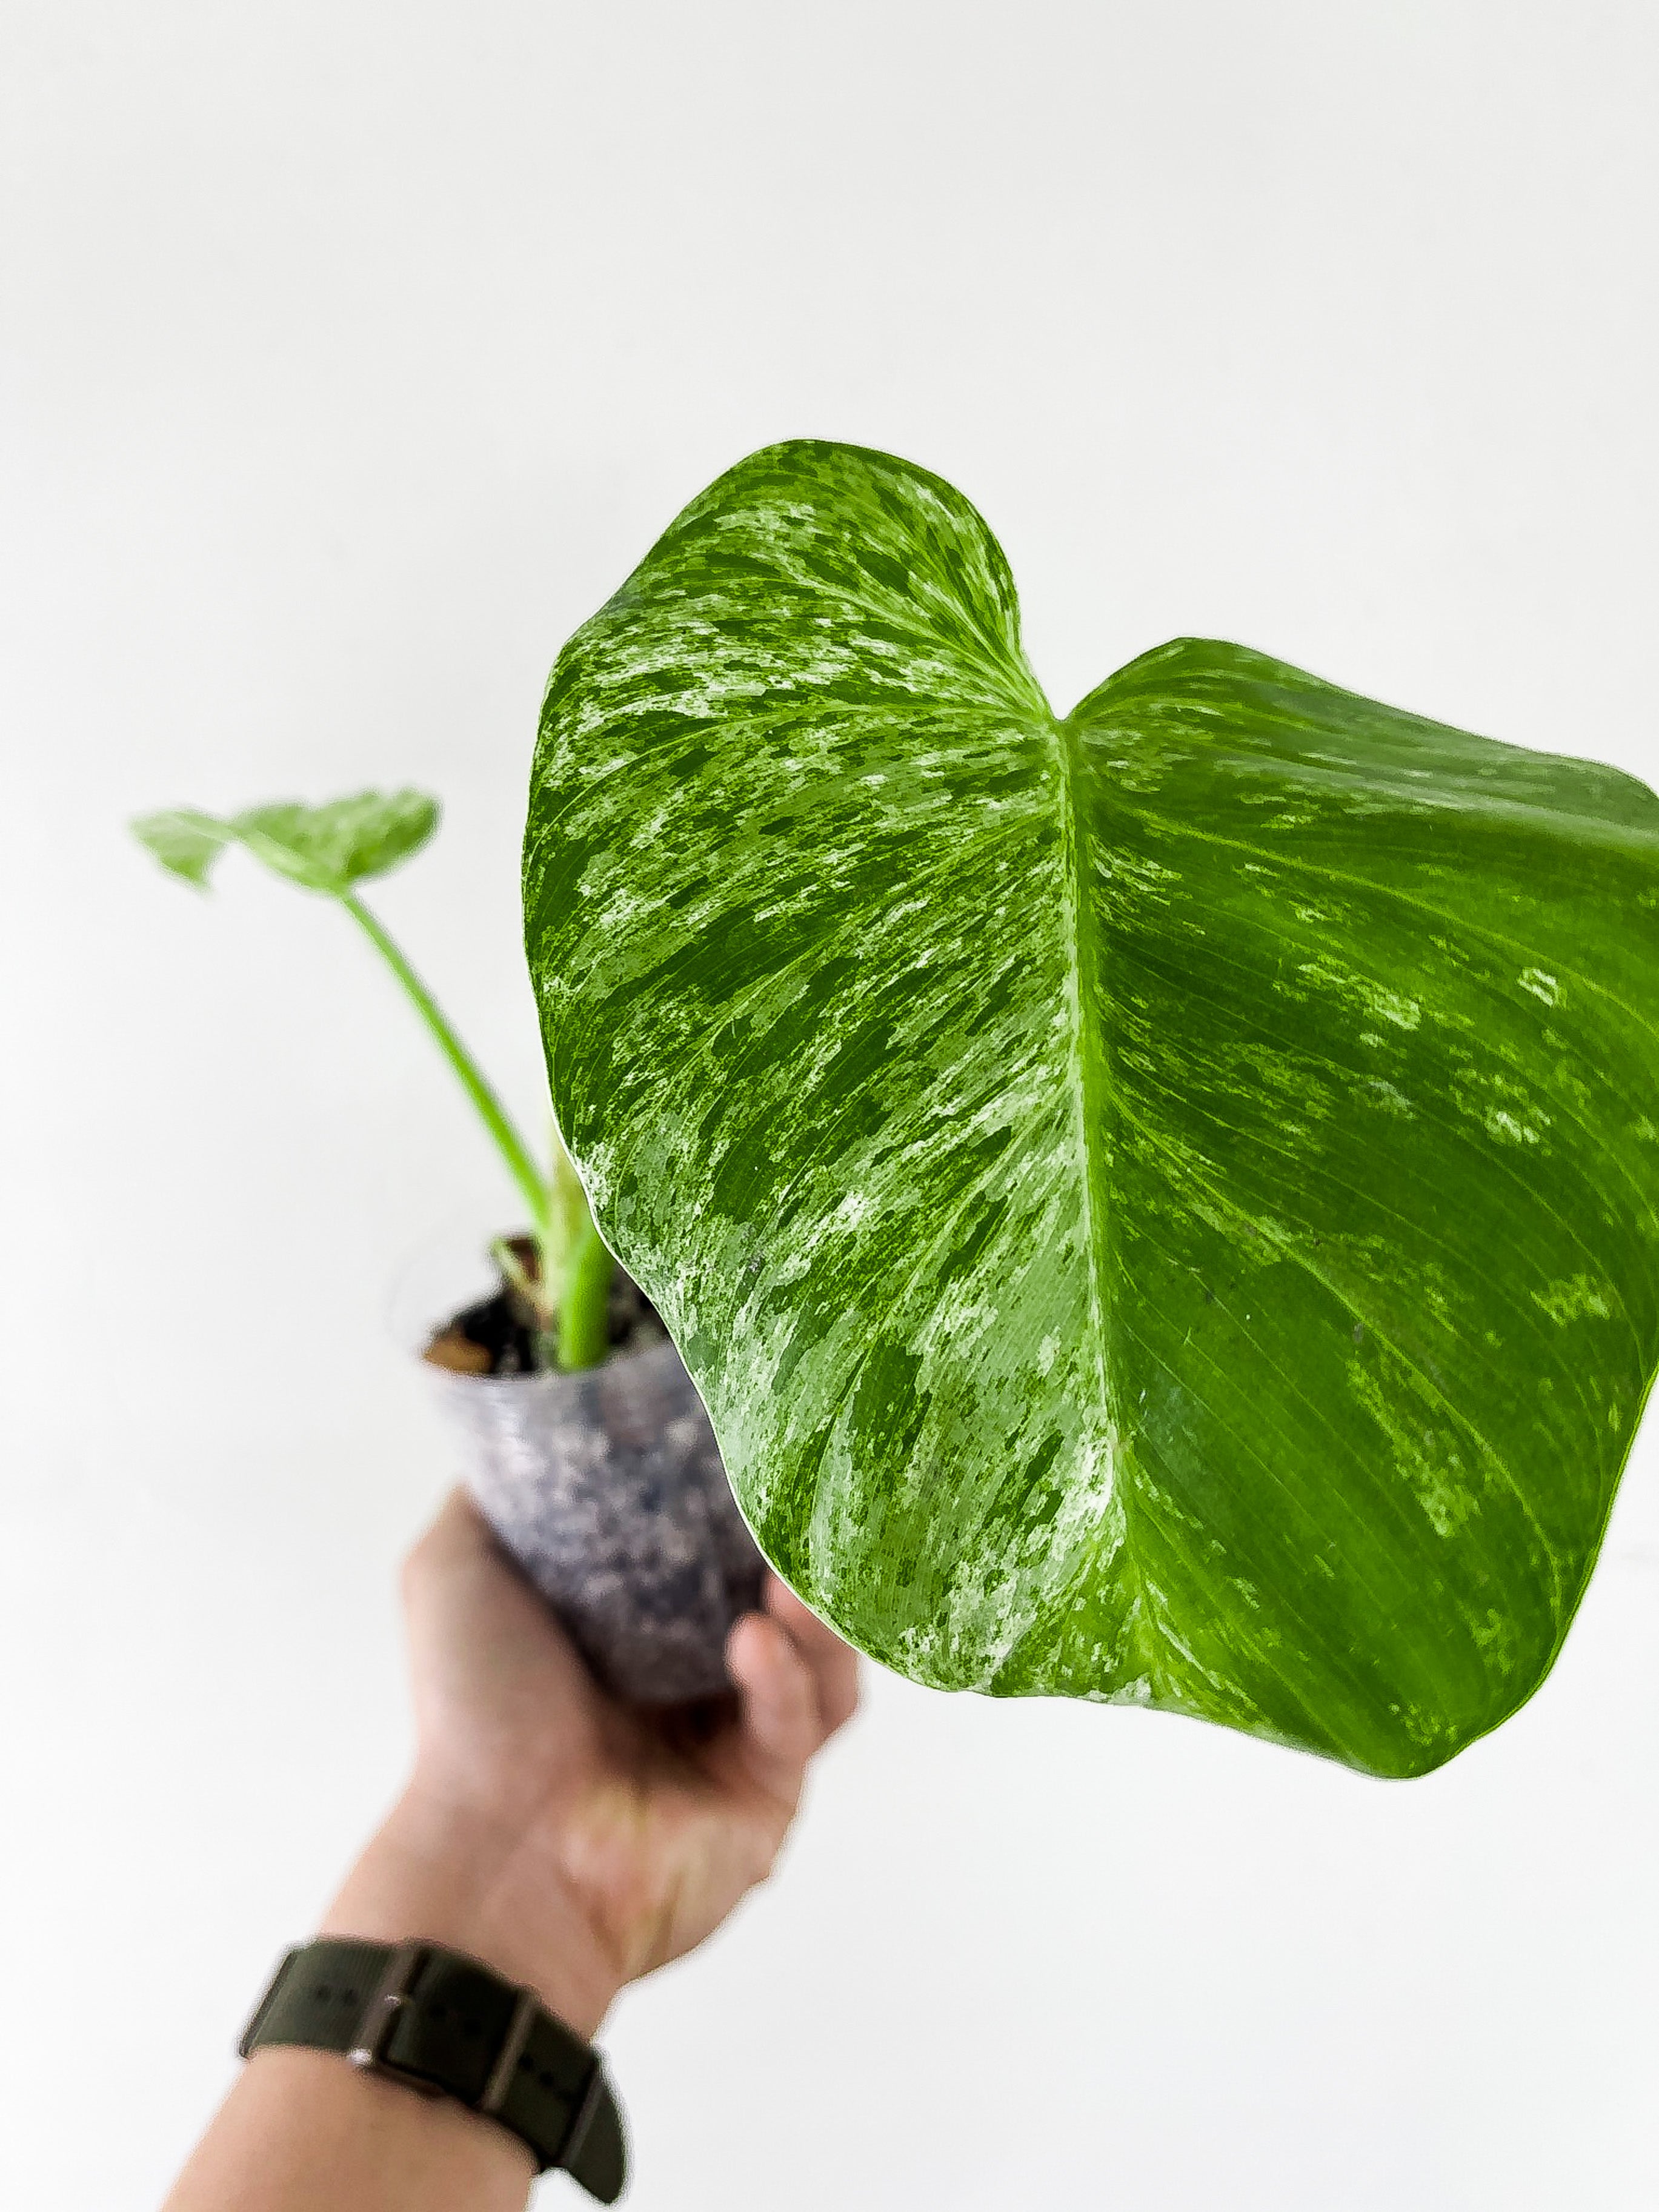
<point x="331" y="850"/>
<point x="1161" y="1203"/>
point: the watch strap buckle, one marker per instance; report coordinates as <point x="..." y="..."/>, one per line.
<point x="394" y="1990"/>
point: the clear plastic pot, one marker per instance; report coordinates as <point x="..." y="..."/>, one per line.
<point x="606" y="1485"/>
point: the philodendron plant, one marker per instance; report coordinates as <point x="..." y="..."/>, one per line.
<point x="1161" y="1203"/>
<point x="332" y="850"/>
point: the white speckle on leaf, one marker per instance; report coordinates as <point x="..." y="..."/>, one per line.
<point x="1372" y="997"/>
<point x="1509" y="1130"/>
<point x="1390" y="1100"/>
<point x="1575" y="1298"/>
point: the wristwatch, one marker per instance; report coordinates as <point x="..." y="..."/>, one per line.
<point x="447" y="2024"/>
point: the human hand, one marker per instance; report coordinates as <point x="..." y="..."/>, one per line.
<point x="572" y="1842"/>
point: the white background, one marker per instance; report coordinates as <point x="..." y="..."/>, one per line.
<point x="353" y="354"/>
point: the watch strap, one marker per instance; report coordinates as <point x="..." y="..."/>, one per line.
<point x="445" y="2024"/>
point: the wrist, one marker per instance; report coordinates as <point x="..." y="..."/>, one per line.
<point x="433" y="1873"/>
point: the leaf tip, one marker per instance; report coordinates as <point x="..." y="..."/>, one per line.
<point x="185" y="842"/>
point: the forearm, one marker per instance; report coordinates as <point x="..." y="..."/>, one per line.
<point x="305" y="2132"/>
<point x="568" y="1841"/>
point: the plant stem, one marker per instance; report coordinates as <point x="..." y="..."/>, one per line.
<point x="532" y="1185"/>
<point x="567" y="1213"/>
<point x="584" y="1336"/>
<point x="574" y="1255"/>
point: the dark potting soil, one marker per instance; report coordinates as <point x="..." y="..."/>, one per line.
<point x="497" y="1336"/>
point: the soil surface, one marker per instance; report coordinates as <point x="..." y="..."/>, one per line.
<point x="500" y="1335"/>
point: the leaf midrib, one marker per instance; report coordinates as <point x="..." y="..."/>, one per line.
<point x="1089" y="1073"/>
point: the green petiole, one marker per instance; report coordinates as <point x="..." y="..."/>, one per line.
<point x="584" y="1332"/>
<point x="532" y="1186"/>
<point x="573" y="1254"/>
<point x="330" y="849"/>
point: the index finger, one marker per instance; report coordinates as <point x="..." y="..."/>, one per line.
<point x="832" y="1661"/>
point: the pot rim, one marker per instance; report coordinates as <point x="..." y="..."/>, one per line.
<point x="434" y="1281"/>
<point x="548" y="1377"/>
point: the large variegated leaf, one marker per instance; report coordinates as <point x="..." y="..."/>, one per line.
<point x="1161" y="1205"/>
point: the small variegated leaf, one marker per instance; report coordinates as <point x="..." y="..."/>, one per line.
<point x="327" y="849"/>
<point x="1163" y="1204"/>
<point x="184" y="842"/>
<point x="330" y="848"/>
